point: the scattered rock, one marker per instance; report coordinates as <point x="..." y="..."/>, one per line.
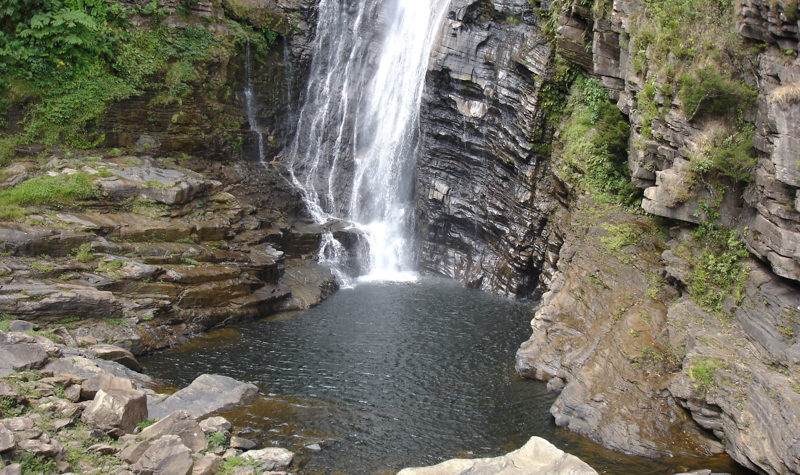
<point x="103" y="449"/>
<point x="42" y="446"/>
<point x="272" y="458"/>
<point x="6" y="439"/>
<point x="536" y="456"/>
<point x="313" y="447"/>
<point x="241" y="443"/>
<point x="21" y="326"/>
<point x="208" y="394"/>
<point x="116" y="410"/>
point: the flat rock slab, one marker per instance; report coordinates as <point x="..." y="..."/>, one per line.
<point x="21" y="351"/>
<point x="537" y="456"/>
<point x="208" y="394"/>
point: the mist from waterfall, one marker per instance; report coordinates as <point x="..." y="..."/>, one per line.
<point x="354" y="152"/>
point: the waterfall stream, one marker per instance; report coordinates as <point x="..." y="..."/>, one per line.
<point x="354" y="152"/>
<point x="250" y="104"/>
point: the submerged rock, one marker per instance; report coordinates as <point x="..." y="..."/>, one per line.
<point x="537" y="456"/>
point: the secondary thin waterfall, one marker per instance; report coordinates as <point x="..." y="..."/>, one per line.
<point x="358" y="132"/>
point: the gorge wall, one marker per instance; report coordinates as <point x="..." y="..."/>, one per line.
<point x="483" y="192"/>
<point x="623" y="330"/>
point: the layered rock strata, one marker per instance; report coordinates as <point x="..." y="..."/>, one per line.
<point x="482" y="192"/>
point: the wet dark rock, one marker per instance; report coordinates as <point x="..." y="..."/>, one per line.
<point x="308" y="282"/>
<point x="241" y="443"/>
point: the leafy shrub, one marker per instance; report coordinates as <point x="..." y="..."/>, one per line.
<point x="720" y="272"/>
<point x="595" y="138"/>
<point x="706" y="91"/>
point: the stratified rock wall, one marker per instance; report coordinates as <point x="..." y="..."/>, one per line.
<point x="483" y="195"/>
<point x="769" y="207"/>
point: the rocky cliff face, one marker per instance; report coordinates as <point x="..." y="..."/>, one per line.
<point x="211" y="120"/>
<point x="483" y="195"/>
<point x="600" y="326"/>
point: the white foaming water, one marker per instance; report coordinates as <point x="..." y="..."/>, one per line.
<point x="358" y="132"/>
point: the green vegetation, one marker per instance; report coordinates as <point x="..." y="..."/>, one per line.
<point x="720" y="272"/>
<point x="190" y="262"/>
<point x="66" y="61"/>
<point x="728" y="152"/>
<point x="52" y="191"/>
<point x="146" y="423"/>
<point x="84" y="253"/>
<point x="36" y="464"/>
<point x="716" y="92"/>
<point x="217" y="440"/>
<point x="702" y="373"/>
<point x="595" y="144"/>
<point x="232" y="462"/>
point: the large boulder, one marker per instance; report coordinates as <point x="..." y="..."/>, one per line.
<point x="536" y="456"/>
<point x="167" y="455"/>
<point x="116" y="410"/>
<point x="207" y="395"/>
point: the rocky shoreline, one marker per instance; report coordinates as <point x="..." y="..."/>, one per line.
<point x="84" y="410"/>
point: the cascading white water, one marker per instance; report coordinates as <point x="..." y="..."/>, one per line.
<point x="354" y="152"/>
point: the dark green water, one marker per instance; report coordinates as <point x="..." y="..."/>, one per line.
<point x="393" y="375"/>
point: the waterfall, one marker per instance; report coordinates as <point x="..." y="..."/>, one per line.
<point x="250" y="103"/>
<point x="358" y="132"/>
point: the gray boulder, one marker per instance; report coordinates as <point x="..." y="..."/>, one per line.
<point x="207" y="395"/>
<point x="13" y="469"/>
<point x="21" y="326"/>
<point x="6" y="439"/>
<point x="116" y="410"/>
<point x="167" y="455"/>
<point x="536" y="456"/>
<point x="21" y="351"/>
<point x="272" y="458"/>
